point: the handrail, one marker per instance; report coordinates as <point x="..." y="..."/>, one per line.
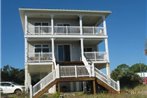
<point x="109" y="81"/>
<point x="86" y="64"/>
<point x="65" y="30"/>
<point x="40" y="57"/>
<point x="96" y="56"/>
<point x="73" y="71"/>
<point x="44" y="82"/>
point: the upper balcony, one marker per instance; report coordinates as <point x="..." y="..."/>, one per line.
<point x="64" y="23"/>
<point x="66" y="30"/>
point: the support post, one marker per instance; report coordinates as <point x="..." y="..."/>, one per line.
<point x="26" y="78"/>
<point x="118" y="84"/>
<point x="93" y="71"/>
<point x="94" y="87"/>
<point x="26" y="24"/>
<point x="58" y="87"/>
<point x="108" y="70"/>
<point x="76" y="74"/>
<point x="31" y="93"/>
<point x="106" y="40"/>
<point x="57" y="71"/>
<point x="81" y="25"/>
<point x="52" y="24"/>
<point x="82" y="48"/>
<point x="53" y="49"/>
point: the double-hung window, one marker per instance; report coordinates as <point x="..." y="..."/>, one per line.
<point x="42" y="51"/>
<point x="41" y="27"/>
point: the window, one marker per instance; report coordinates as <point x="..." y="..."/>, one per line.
<point x="42" y="48"/>
<point x="5" y="84"/>
<point x="41" y="27"/>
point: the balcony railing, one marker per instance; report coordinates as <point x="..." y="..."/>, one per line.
<point x="39" y="57"/>
<point x="73" y="71"/>
<point x="39" y="30"/>
<point x="65" y="30"/>
<point x="96" y="56"/>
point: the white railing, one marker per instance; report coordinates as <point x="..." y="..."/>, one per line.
<point x="87" y="65"/>
<point x="44" y="82"/>
<point x="39" y="30"/>
<point x="110" y="82"/>
<point x="73" y="71"/>
<point x="39" y="57"/>
<point x="65" y="30"/>
<point x="96" y="56"/>
<point x="88" y="30"/>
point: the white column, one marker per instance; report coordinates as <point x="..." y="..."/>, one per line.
<point x="26" y="44"/>
<point x="52" y="23"/>
<point x="118" y="84"/>
<point x="25" y="54"/>
<point x="82" y="48"/>
<point x="53" y="49"/>
<point x="26" y="78"/>
<point x="26" y="23"/>
<point x="31" y="93"/>
<point x="108" y="70"/>
<point x="81" y="25"/>
<point x="29" y="79"/>
<point x="106" y="40"/>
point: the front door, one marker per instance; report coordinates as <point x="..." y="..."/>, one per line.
<point x="63" y="53"/>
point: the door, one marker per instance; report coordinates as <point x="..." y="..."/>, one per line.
<point x="63" y="53"/>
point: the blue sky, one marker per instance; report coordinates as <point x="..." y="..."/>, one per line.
<point x="125" y="26"/>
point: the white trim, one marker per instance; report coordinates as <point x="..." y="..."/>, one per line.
<point x="41" y="64"/>
<point x="106" y="40"/>
<point x="65" y="36"/>
<point x="52" y="24"/>
<point x="81" y="24"/>
<point x="82" y="47"/>
<point x="53" y="48"/>
<point x="70" y="47"/>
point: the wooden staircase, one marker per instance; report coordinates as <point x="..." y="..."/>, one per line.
<point x="110" y="89"/>
<point x="74" y="73"/>
<point x="44" y="90"/>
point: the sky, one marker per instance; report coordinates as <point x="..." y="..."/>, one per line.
<point x="126" y="28"/>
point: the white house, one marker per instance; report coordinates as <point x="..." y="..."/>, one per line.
<point x="63" y="49"/>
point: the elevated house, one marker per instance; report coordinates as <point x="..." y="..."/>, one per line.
<point x="66" y="50"/>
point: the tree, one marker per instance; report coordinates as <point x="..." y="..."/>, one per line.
<point x="9" y="73"/>
<point x="119" y="71"/>
<point x="126" y="77"/>
<point x="138" y="67"/>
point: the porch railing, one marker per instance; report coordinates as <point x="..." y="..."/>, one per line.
<point x="88" y="30"/>
<point x="73" y="71"/>
<point x="39" y="30"/>
<point x="100" y="75"/>
<point x="65" y="30"/>
<point x="39" y="57"/>
<point x="96" y="56"/>
<point x="44" y="82"/>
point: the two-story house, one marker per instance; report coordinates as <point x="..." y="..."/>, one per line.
<point x="65" y="50"/>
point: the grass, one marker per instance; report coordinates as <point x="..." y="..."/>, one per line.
<point x="137" y="92"/>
